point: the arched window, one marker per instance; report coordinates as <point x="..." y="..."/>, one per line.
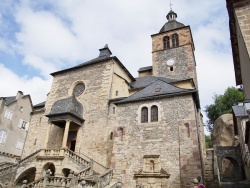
<point x="166" y="42"/>
<point x="120" y="133"/>
<point x="144" y="115"/>
<point x="154" y="113"/>
<point x="175" y="40"/>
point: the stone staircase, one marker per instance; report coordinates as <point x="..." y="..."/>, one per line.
<point x="92" y="174"/>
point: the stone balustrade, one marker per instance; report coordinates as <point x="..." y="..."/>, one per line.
<point x="8" y="169"/>
<point x="70" y="154"/>
<point x="106" y="178"/>
<point x="8" y="155"/>
<point x="85" y="172"/>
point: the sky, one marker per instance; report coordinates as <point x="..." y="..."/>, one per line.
<point x="41" y="37"/>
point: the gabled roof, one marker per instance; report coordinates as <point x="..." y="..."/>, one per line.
<point x="142" y="69"/>
<point x="157" y="89"/>
<point x="42" y="104"/>
<point x="142" y="82"/>
<point x="104" y="55"/>
<point x="239" y="111"/>
<point x="9" y="100"/>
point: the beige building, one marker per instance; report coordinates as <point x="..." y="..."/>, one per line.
<point x="239" y="24"/>
<point x="14" y="124"/>
<point x="101" y="127"/>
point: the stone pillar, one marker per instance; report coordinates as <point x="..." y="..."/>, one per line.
<point x="66" y="133"/>
<point x="47" y="135"/>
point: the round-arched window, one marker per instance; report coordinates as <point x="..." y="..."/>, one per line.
<point x="78" y="89"/>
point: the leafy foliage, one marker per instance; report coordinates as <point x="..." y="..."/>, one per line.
<point x="207" y="140"/>
<point x="222" y="105"/>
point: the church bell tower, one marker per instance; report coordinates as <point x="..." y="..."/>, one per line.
<point x="173" y="51"/>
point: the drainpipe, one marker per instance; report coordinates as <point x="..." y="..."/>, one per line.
<point x="199" y="140"/>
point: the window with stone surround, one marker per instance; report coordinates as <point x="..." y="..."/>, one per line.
<point x="148" y="113"/>
<point x="175" y="40"/>
<point x="154" y="113"/>
<point x="144" y="114"/>
<point x="166" y="42"/>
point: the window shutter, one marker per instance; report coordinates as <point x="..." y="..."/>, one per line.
<point x="6" y="114"/>
<point x="20" y="123"/>
<point x="27" y="126"/>
<point x="3" y="136"/>
<point x="11" y="114"/>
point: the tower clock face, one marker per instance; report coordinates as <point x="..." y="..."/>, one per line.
<point x="170" y="62"/>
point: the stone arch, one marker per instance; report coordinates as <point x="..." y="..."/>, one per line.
<point x="236" y="168"/>
<point x="232" y="154"/>
<point x="28" y="174"/>
<point x="66" y="172"/>
<point x="49" y="166"/>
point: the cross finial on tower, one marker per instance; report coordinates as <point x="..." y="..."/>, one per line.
<point x="170" y="5"/>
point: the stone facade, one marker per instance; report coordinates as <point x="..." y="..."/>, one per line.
<point x="14" y="121"/>
<point x="104" y="122"/>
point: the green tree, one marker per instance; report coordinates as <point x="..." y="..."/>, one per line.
<point x="207" y="140"/>
<point x="222" y="105"/>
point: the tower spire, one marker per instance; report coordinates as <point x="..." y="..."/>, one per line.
<point x="170" y="5"/>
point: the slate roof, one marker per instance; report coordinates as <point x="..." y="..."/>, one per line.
<point x="142" y="82"/>
<point x="145" y="69"/>
<point x="104" y="55"/>
<point x="239" y="111"/>
<point x="157" y="89"/>
<point x="42" y="104"/>
<point x="171" y="25"/>
<point x="9" y="100"/>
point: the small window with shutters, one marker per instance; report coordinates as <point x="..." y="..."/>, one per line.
<point x="3" y="136"/>
<point x="23" y="124"/>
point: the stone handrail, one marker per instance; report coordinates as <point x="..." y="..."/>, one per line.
<point x="29" y="157"/>
<point x="50" y="181"/>
<point x="6" y="164"/>
<point x="116" y="185"/>
<point x="96" y="166"/>
<point x="8" y="169"/>
<point x="22" y="161"/>
<point x="85" y="172"/>
<point x="105" y="178"/>
<point x="77" y="158"/>
<point x="36" y="183"/>
<point x="8" y="155"/>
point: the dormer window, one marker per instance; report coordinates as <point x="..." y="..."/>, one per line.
<point x="175" y="40"/>
<point x="166" y="42"/>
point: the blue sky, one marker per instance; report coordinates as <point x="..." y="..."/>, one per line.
<point x="40" y="37"/>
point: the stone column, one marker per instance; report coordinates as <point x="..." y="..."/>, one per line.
<point x="47" y="135"/>
<point x="66" y="133"/>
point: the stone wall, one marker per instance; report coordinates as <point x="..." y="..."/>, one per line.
<point x="35" y="139"/>
<point x="184" y="66"/>
<point x="173" y="135"/>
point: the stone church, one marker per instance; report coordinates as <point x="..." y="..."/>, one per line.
<point x="102" y="127"/>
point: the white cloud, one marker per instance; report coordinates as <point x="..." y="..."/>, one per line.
<point x="11" y="83"/>
<point x="59" y="34"/>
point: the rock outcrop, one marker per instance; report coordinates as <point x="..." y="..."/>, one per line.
<point x="223" y="131"/>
